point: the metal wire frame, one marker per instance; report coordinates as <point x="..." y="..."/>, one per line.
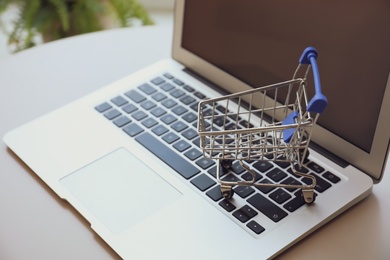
<point x="262" y="140"/>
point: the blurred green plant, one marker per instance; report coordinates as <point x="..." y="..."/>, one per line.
<point x="56" y="19"/>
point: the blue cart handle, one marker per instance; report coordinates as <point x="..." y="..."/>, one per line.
<point x="319" y="102"/>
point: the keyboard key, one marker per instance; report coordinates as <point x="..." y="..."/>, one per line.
<point x="170" y="137"/>
<point x="190" y="117"/>
<point x="262" y="166"/>
<point x="231" y="178"/>
<point x="188" y="88"/>
<point x="243" y="191"/>
<point x="235" y="117"/>
<point x="133" y="129"/>
<point x="177" y="93"/>
<point x="265" y="189"/>
<point x="168" y="76"/>
<point x="280" y="196"/>
<point x="276" y="175"/>
<point x="205" y="163"/>
<point x="291" y="181"/>
<point x="135" y="96"/>
<point x="181" y="146"/>
<point x="178" y="82"/>
<point x="227" y="205"/>
<point x="119" y="101"/>
<point x="179" y="110"/>
<point x="160" y="130"/>
<point x="238" y="214"/>
<point x="168" y="119"/>
<point x="267" y="207"/>
<point x="199" y="95"/>
<point x="148" y="105"/>
<point x="250" y="212"/>
<point x="130" y="108"/>
<point x="103" y="107"/>
<point x="282" y="163"/>
<point x="121" y="121"/>
<point x="213" y="171"/>
<point x="219" y="121"/>
<point x="225" y="139"/>
<point x="187" y="100"/>
<point x="221" y="109"/>
<point x="232" y="126"/>
<point x="203" y="182"/>
<point x="245" y="213"/>
<point x="207" y="125"/>
<point x="246" y="124"/>
<point x="255" y="227"/>
<point x="315" y="167"/>
<point x="158" y="111"/>
<point x="299" y="169"/>
<point x="190" y="134"/>
<point x="294" y="204"/>
<point x="113" y="113"/>
<point x="167" y="87"/>
<point x="158" y="80"/>
<point x="149" y="122"/>
<point x="215" y="193"/>
<point x="269" y="153"/>
<point x="166" y="154"/>
<point x="331" y="177"/>
<point x="159" y="96"/>
<point x="237" y="168"/>
<point x="248" y="176"/>
<point x="147" y="89"/>
<point x="168" y="103"/>
<point x="321" y="184"/>
<point x="208" y="112"/>
<point x="139" y="115"/>
<point x="193" y="154"/>
<point x="195" y="106"/>
<point x="179" y="126"/>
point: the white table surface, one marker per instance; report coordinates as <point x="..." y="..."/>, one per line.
<point x="36" y="224"/>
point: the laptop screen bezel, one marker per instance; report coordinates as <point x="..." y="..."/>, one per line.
<point x="372" y="163"/>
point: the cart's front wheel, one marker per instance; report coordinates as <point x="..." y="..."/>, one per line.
<point x="227" y="191"/>
<point x="309" y="196"/>
<point x="226" y="164"/>
<point x="228" y="194"/>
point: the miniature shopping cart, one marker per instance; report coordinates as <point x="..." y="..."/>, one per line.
<point x="270" y="123"/>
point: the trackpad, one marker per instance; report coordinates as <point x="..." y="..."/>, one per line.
<point x="120" y="190"/>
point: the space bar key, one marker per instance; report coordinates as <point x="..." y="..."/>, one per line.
<point x="175" y="161"/>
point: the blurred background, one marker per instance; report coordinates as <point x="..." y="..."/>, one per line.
<point x="160" y="12"/>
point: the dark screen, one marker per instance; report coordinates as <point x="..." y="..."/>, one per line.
<point x="260" y="42"/>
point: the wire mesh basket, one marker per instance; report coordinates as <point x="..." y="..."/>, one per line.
<point x="269" y="123"/>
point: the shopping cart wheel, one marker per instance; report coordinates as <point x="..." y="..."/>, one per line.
<point x="227" y="191"/>
<point x="226" y="164"/>
<point x="308" y="196"/>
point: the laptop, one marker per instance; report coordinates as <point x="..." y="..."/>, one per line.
<point x="128" y="156"/>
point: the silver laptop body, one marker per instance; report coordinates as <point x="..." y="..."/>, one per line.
<point x="141" y="206"/>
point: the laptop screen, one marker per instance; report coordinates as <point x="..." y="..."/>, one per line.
<point x="260" y="42"/>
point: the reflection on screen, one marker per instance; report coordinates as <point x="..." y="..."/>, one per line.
<point x="260" y="42"/>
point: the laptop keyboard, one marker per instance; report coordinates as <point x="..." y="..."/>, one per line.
<point x="162" y="115"/>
